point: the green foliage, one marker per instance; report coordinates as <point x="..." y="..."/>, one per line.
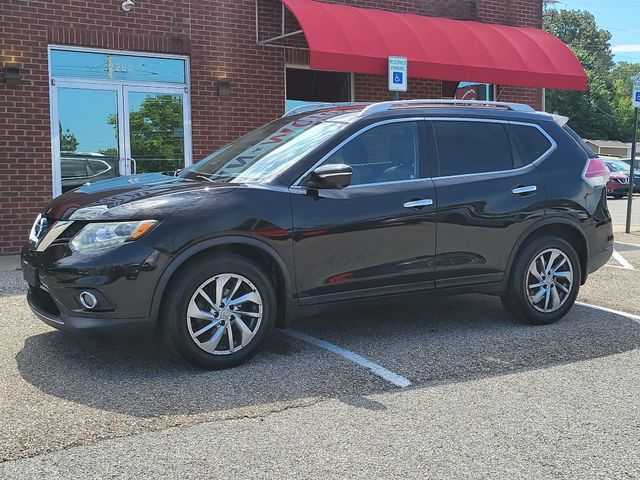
<point x="109" y="152"/>
<point x="68" y="141"/>
<point x="156" y="133"/>
<point x="622" y="75"/>
<point x="592" y="112"/>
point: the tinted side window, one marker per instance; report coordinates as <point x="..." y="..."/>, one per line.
<point x="472" y="147"/>
<point x="529" y="143"/>
<point x="385" y="153"/>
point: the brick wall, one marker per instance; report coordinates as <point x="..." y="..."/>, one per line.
<point x="218" y="35"/>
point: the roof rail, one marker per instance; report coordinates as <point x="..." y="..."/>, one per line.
<point x="317" y="106"/>
<point x="384" y="106"/>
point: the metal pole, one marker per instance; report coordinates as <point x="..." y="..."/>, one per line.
<point x="396" y="95"/>
<point x="632" y="171"/>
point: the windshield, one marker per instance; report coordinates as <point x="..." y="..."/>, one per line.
<point x="618" y="166"/>
<point x="266" y="152"/>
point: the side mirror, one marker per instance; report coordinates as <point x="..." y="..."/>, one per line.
<point x="335" y="176"/>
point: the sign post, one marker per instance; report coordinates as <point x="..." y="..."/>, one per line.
<point x="635" y="100"/>
<point x="398" y="75"/>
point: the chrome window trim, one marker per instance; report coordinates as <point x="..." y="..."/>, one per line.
<point x="351" y="137"/>
<point x="302" y="189"/>
<point x="537" y="161"/>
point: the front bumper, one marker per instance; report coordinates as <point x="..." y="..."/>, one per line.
<point x="42" y="308"/>
<point x="619" y="189"/>
<point x="122" y="278"/>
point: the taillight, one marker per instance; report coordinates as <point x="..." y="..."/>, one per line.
<point x="595" y="173"/>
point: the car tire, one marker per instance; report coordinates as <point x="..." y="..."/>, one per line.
<point x="195" y="321"/>
<point x="531" y="277"/>
<point x="617" y="197"/>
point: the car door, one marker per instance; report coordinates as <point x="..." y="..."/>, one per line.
<point x="489" y="192"/>
<point x="377" y="235"/>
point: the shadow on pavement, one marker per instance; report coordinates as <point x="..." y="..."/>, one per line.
<point x="441" y="340"/>
<point x="471" y="336"/>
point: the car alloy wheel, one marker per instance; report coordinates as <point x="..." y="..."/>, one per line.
<point x="549" y="280"/>
<point x="224" y="314"/>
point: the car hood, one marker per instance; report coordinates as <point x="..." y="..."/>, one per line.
<point x="123" y="198"/>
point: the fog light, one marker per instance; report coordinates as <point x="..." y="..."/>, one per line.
<point x="88" y="300"/>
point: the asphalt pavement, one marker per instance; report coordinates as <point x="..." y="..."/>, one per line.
<point x="488" y="397"/>
<point x="618" y="210"/>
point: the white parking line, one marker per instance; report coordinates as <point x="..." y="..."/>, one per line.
<point x="627" y="243"/>
<point x="621" y="260"/>
<point x="389" y="376"/>
<point x="615" y="266"/>
<point x="611" y="310"/>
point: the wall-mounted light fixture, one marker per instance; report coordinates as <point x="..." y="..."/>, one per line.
<point x="13" y="75"/>
<point x="224" y="88"/>
<point x="128" y="5"/>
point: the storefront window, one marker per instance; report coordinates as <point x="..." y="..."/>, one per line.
<point x="306" y="86"/>
<point x="474" y="91"/>
<point x="107" y="66"/>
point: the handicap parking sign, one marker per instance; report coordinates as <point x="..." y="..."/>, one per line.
<point x="636" y="92"/>
<point x="398" y="74"/>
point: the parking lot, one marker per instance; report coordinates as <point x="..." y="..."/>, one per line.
<point x="445" y="387"/>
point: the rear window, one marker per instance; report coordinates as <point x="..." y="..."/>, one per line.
<point x="472" y="147"/>
<point x="529" y="144"/>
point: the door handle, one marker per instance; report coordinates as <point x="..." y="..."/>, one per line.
<point x="425" y="202"/>
<point x="134" y="166"/>
<point x="524" y="190"/>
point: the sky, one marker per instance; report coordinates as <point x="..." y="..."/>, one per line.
<point x="620" y="17"/>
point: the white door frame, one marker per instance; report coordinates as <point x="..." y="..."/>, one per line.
<point x="121" y="87"/>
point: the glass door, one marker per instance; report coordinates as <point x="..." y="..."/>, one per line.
<point x="155" y="129"/>
<point x="117" y="113"/>
<point x="102" y="130"/>
<point x="86" y="132"/>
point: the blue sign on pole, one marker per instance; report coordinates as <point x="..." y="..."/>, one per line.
<point x="398" y="74"/>
<point x="637" y="96"/>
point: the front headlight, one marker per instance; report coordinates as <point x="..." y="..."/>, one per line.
<point x="98" y="235"/>
<point x="38" y="228"/>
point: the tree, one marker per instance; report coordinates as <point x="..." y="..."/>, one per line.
<point x="68" y="141"/>
<point x="622" y="76"/>
<point x="591" y="112"/>
<point x="156" y="133"/>
<point x="109" y="152"/>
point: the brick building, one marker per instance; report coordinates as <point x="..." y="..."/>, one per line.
<point x="86" y="86"/>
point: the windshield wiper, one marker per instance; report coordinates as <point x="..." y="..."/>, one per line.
<point x="204" y="177"/>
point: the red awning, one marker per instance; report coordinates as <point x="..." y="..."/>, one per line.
<point x="351" y="39"/>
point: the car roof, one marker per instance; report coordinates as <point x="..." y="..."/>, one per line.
<point x="351" y="112"/>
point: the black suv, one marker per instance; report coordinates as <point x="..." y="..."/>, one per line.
<point x="319" y="208"/>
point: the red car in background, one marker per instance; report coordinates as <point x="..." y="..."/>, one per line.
<point x="618" y="183"/>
